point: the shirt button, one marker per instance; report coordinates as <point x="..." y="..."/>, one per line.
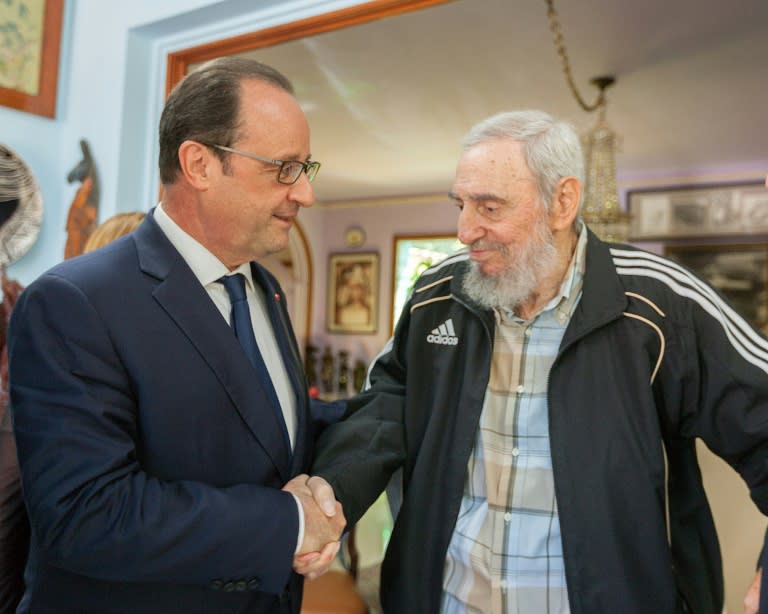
<point x="520" y="389"/>
<point x="515" y="451"/>
<point x="503" y="585"/>
<point x="507" y="517"/>
<point x="527" y="332"/>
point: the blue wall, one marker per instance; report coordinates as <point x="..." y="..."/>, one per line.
<point x="111" y="90"/>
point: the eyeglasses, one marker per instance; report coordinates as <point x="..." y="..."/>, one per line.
<point x="290" y="170"/>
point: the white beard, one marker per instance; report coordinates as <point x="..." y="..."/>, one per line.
<point x="519" y="281"/>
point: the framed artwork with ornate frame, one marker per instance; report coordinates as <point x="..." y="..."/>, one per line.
<point x="30" y="37"/>
<point x="353" y="292"/>
<point x="411" y="255"/>
<point x="660" y="214"/>
<point x="739" y="271"/>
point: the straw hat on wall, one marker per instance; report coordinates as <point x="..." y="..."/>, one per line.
<point x="21" y="207"/>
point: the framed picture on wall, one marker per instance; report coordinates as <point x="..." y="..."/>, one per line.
<point x="353" y="292"/>
<point x="412" y="255"/>
<point x="738" y="271"/>
<point x="698" y="211"/>
<point x="30" y="36"/>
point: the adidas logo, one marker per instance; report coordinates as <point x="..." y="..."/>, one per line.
<point x="443" y="334"/>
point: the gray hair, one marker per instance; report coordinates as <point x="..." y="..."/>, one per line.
<point x="551" y="148"/>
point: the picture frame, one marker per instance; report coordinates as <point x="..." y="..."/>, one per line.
<point x="411" y="255"/>
<point x="738" y="271"/>
<point x="660" y="214"/>
<point x="353" y="292"/>
<point x="30" y="41"/>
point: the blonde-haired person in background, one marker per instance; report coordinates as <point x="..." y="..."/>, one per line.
<point x="113" y="228"/>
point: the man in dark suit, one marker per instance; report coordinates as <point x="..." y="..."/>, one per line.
<point x="162" y="457"/>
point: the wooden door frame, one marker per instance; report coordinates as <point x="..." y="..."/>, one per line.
<point x="178" y="62"/>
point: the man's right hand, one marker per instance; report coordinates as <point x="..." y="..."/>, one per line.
<point x="324" y="519"/>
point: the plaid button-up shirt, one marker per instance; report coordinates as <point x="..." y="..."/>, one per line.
<point x="506" y="555"/>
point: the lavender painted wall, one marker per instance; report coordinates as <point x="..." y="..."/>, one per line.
<point x="381" y="224"/>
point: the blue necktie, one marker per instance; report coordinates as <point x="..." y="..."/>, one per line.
<point x="243" y="329"/>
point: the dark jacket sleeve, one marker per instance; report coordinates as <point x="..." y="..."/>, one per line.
<point x="325" y="413"/>
<point x="359" y="454"/>
<point x="725" y="388"/>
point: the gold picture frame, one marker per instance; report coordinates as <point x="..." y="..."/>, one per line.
<point x="353" y="293"/>
<point x="30" y="40"/>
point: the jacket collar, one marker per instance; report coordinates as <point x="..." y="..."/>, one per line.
<point x="603" y="298"/>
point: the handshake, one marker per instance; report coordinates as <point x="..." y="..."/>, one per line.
<point x="324" y="522"/>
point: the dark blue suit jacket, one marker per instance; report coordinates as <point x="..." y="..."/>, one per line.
<point x="151" y="457"/>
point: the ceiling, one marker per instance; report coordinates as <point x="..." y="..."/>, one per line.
<point x="389" y="101"/>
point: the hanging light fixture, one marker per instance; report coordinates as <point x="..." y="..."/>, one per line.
<point x="600" y="209"/>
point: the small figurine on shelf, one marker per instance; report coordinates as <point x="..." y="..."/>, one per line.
<point x="343" y="373"/>
<point x="310" y="368"/>
<point x="326" y="370"/>
<point x="358" y="375"/>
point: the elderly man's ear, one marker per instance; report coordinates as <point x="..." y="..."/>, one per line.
<point x="565" y="205"/>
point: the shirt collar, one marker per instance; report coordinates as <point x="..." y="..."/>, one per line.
<point x="570" y="290"/>
<point x="205" y="266"/>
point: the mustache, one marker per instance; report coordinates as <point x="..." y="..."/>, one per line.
<point x="288" y="212"/>
<point x="483" y="245"/>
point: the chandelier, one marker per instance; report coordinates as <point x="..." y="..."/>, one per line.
<point x="600" y="209"/>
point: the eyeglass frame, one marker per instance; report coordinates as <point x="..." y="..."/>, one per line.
<point x="309" y="168"/>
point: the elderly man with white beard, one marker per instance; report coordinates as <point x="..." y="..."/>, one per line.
<point x="543" y="392"/>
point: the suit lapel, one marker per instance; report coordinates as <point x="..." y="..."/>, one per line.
<point x="187" y="303"/>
